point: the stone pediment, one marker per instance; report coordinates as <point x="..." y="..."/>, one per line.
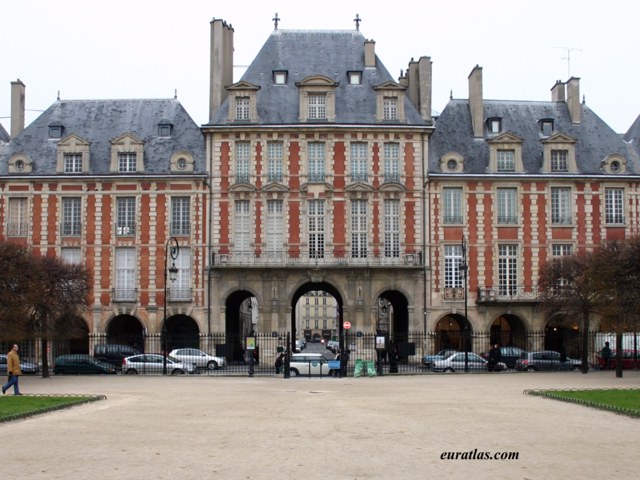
<point x="127" y="139"/>
<point x="275" y="187"/>
<point x="506" y="138"/>
<point x="392" y="187"/>
<point x="560" y="138"/>
<point x="317" y="81"/>
<point x="73" y="140"/>
<point x="390" y="86"/>
<point x="242" y="86"/>
<point x="242" y="187"/>
<point x="359" y="187"/>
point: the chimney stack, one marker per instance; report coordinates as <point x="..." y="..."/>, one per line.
<point x="424" y="74"/>
<point x="558" y="92"/>
<point x="221" y="68"/>
<point x="369" y="54"/>
<point x="475" y="101"/>
<point x="17" y="107"/>
<point x="573" y="99"/>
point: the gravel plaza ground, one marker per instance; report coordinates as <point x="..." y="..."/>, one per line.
<point x="390" y="427"/>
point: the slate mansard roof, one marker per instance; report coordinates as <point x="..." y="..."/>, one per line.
<point x="595" y="139"/>
<point x="304" y="53"/>
<point x="99" y="122"/>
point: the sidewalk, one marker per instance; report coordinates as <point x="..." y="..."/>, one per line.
<point x="390" y="427"/>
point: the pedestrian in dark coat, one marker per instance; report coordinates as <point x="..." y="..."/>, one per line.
<point x="495" y="357"/>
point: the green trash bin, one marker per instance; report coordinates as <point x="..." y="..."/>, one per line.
<point x="371" y="368"/>
<point x="358" y="369"/>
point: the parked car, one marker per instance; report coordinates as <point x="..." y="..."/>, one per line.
<point x="333" y="346"/>
<point x="26" y="367"/>
<point x="154" y="363"/>
<point x="79" y="363"/>
<point x="299" y="345"/>
<point x="428" y="360"/>
<point x="628" y="360"/>
<point x="198" y="358"/>
<point x="509" y="355"/>
<point x="546" y="360"/>
<point x="113" y="353"/>
<point x="302" y="364"/>
<point x="456" y="363"/>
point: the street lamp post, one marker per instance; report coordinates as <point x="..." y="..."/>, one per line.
<point x="464" y="268"/>
<point x="172" y="251"/>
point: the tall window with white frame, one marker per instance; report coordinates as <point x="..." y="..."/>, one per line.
<point x="125" y="284"/>
<point x="18" y="217"/>
<point x="127" y="162"/>
<point x="242" y="227"/>
<point x="507" y="270"/>
<point x="561" y="250"/>
<point x="316" y="228"/>
<point x="180" y="289"/>
<point x="180" y="216"/>
<point x="452" y="205"/>
<point x="391" y="228"/>
<point x="561" y="206"/>
<point x="274" y="161"/>
<point x="453" y="277"/>
<point x="391" y="162"/>
<point x="359" y="229"/>
<point x="71" y="255"/>
<point x="614" y="206"/>
<point x="390" y="108"/>
<point x="316" y="161"/>
<point x="243" y="111"/>
<point x="275" y="226"/>
<point x="506" y="161"/>
<point x="72" y="162"/>
<point x="243" y="155"/>
<point x="317" y="106"/>
<point x="125" y="216"/>
<point x="559" y="160"/>
<point x="507" y="206"/>
<point x="71" y="215"/>
<point x="359" y="159"/>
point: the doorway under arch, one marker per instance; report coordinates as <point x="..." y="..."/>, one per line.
<point x="393" y="321"/>
<point x="561" y="334"/>
<point x="453" y="332"/>
<point x="316" y="287"/>
<point x="73" y="337"/>
<point x="508" y="330"/>
<point x="126" y="330"/>
<point x="238" y="323"/>
<point x="182" y="332"/>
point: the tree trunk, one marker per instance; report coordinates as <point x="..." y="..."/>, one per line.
<point x="584" y="357"/>
<point x="45" y="357"/>
<point x="619" y="355"/>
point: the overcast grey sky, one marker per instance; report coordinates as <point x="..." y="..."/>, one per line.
<point x="150" y="48"/>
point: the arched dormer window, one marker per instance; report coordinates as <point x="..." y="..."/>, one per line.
<point x="317" y="102"/>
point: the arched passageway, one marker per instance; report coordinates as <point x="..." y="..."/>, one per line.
<point x="453" y="332"/>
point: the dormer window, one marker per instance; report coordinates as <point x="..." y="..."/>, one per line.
<point x="182" y="162"/>
<point x="390" y="102"/>
<point x="73" y="155"/>
<point x="506" y="161"/>
<point x="494" y="125"/>
<point x="355" y="78"/>
<point x="280" y="77"/>
<point x="559" y="154"/>
<point x="127" y="154"/>
<point x="242" y="108"/>
<point x="390" y="108"/>
<point x="559" y="160"/>
<point x="317" y="107"/>
<point x="546" y="127"/>
<point x="317" y="101"/>
<point x="55" y="130"/>
<point x="505" y="154"/>
<point x="243" y="102"/>
<point x="615" y="164"/>
<point x="165" y="128"/>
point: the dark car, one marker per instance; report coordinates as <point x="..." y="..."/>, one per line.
<point x="78" y="363"/>
<point x="628" y="360"/>
<point x="25" y="367"/>
<point x="546" y="360"/>
<point x="509" y="355"/>
<point x="113" y="353"/>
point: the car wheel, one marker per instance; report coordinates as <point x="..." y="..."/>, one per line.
<point x="531" y="368"/>
<point x="132" y="371"/>
<point x="576" y="368"/>
<point x="177" y="371"/>
<point x="293" y="372"/>
<point x="212" y="365"/>
<point x="448" y="370"/>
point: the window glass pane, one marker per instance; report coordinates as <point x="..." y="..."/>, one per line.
<point x="242" y="108"/>
<point x="453" y="277"/>
<point x="359" y="159"/>
<point x="392" y="228"/>
<point x="18" y="217"/>
<point x="507" y="206"/>
<point x="507" y="269"/>
<point x="316" y="161"/>
<point x="316" y="228"/>
<point x="274" y="161"/>
<point x="71" y="215"/>
<point x="614" y="206"/>
<point x="559" y="161"/>
<point x="72" y="163"/>
<point x="390" y="108"/>
<point x="242" y="161"/>
<point x="452" y="205"/>
<point x="561" y="207"/>
<point x="359" y="229"/>
<point x="391" y="162"/>
<point x="127" y="162"/>
<point x="242" y="229"/>
<point x="180" y="216"/>
<point x="125" y="216"/>
<point x="506" y="161"/>
<point x="275" y="226"/>
<point x="317" y="107"/>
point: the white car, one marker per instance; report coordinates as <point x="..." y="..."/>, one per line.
<point x="154" y="363"/>
<point x="302" y="364"/>
<point x="198" y="358"/>
<point x="455" y="362"/>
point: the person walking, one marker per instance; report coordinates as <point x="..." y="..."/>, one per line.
<point x="279" y="363"/>
<point x="495" y="357"/>
<point x="606" y="356"/>
<point x="13" y="369"/>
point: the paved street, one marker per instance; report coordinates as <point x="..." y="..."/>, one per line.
<point x="387" y="427"/>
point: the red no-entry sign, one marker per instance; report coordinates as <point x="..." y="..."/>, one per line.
<point x="346" y="325"/>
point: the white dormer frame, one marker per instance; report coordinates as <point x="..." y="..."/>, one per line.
<point x="317" y="85"/>
<point x="20" y="164"/>
<point x="243" y="90"/>
<point x="452" y="162"/>
<point x="73" y="144"/>
<point x="127" y="143"/>
<point x="390" y="90"/>
<point x="182" y="162"/>
<point x="505" y="141"/>
<point x="559" y="141"/>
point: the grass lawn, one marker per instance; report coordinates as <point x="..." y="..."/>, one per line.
<point x="625" y="401"/>
<point x="12" y="408"/>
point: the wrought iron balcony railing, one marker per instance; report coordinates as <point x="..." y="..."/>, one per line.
<point x="516" y="293"/>
<point x="124" y="294"/>
<point x="179" y="294"/>
<point x="335" y="259"/>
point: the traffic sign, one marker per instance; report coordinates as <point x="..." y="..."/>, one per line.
<point x="346" y="325"/>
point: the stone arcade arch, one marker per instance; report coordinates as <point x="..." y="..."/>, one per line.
<point x="313" y="287"/>
<point x="126" y="330"/>
<point x="508" y="330"/>
<point x="451" y="331"/>
<point x="561" y="334"/>
<point x="238" y="323"/>
<point x="75" y="336"/>
<point x="182" y="332"/>
<point x="393" y="320"/>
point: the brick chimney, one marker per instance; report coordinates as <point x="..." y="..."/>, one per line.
<point x="418" y="83"/>
<point x="221" y="67"/>
<point x="17" y="107"/>
<point x="558" y="92"/>
<point x="475" y="101"/>
<point x="573" y="99"/>
<point x="369" y="54"/>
